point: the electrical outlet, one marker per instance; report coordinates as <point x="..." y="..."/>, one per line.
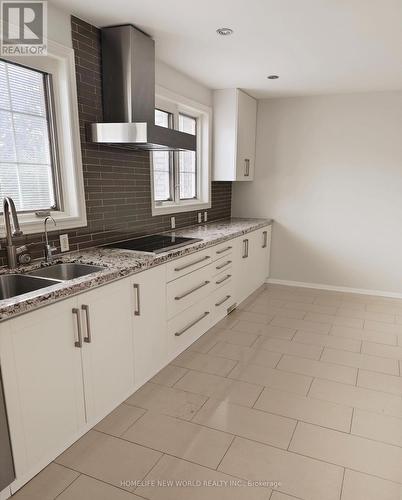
<point x="172" y="222"/>
<point x="205" y="216"/>
<point x="199" y="215"/>
<point x="64" y="244"/>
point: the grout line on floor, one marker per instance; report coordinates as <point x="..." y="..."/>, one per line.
<point x="310" y="386"/>
<point x="292" y="436"/>
<point x="279" y="360"/>
<point x="224" y="455"/>
<point x="180" y="378"/>
<point x="64" y="489"/>
<point x="351" y="420"/>
<point x="342" y="483"/>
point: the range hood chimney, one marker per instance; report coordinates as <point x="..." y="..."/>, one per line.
<point x="128" y="75"/>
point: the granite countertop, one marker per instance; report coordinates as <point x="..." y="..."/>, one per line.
<point x="120" y="263"/>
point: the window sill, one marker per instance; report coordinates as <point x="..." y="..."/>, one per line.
<point x="184" y="207"/>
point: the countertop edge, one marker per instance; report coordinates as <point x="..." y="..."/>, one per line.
<point x="33" y="301"/>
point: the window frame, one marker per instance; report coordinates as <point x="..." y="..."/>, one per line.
<point x="173" y="103"/>
<point x="197" y="166"/>
<point x="52" y="136"/>
<point x="59" y="68"/>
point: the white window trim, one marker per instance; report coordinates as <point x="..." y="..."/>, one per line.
<point x="60" y="62"/>
<point x="174" y="103"/>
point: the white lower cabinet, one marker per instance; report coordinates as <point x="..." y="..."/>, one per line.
<point x="65" y="367"/>
<point x="262" y="254"/>
<point x="251" y="262"/>
<point x="107" y="348"/>
<point x="42" y="375"/>
<point x="149" y="310"/>
<point x="243" y="266"/>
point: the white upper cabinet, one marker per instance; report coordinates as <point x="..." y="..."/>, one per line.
<point x="235" y="122"/>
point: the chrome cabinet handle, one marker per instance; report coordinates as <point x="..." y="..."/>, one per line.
<point x="88" y="338"/>
<point x="224" y="265"/>
<point x="223" y="250"/>
<point x="137" y="310"/>
<point x="78" y="343"/>
<point x="224" y="279"/>
<point x="245" y="248"/>
<point x="192" y="263"/>
<point x="223" y="301"/>
<point x="193" y="323"/>
<point x="246" y="167"/>
<point x="185" y="294"/>
<point x="265" y="239"/>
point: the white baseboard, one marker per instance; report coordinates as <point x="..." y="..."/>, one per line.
<point x="320" y="286"/>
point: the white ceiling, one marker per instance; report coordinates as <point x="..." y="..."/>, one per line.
<point x="316" y="46"/>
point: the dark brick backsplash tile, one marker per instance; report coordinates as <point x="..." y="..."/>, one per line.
<point x="117" y="182"/>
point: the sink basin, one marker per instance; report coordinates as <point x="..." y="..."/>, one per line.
<point x="12" y="285"/>
<point x="67" y="271"/>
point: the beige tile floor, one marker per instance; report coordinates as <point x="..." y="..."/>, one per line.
<point x="295" y="395"/>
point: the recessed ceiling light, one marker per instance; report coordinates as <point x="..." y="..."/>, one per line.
<point x="224" y="31"/>
<point x="272" y="77"/>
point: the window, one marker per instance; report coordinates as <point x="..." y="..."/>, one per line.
<point x="181" y="180"/>
<point x="188" y="161"/>
<point x="40" y="148"/>
<point x="163" y="163"/>
<point x="27" y="163"/>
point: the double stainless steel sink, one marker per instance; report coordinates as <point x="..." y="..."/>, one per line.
<point x="12" y="285"/>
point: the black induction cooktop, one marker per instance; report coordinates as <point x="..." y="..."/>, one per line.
<point x="156" y="243"/>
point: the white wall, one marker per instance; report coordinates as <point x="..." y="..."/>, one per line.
<point x="181" y="84"/>
<point x="59" y="25"/>
<point x="329" y="171"/>
<point x="59" y="30"/>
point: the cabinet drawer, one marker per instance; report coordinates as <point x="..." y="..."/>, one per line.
<point x="186" y="291"/>
<point x="223" y="278"/>
<point x="223" y="249"/>
<point x="222" y="264"/>
<point x="222" y="299"/>
<point x="188" y="264"/>
<point x="185" y="328"/>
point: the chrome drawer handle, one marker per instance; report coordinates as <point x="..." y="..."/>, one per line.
<point x="224" y="265"/>
<point x="185" y="294"/>
<point x="223" y="250"/>
<point x="245" y="248"/>
<point x="193" y="323"/>
<point x="246" y="167"/>
<point x="265" y="239"/>
<point x="192" y="263"/>
<point x="78" y="343"/>
<point x="137" y="310"/>
<point x="228" y="276"/>
<point x="223" y="301"/>
<point x="88" y="338"/>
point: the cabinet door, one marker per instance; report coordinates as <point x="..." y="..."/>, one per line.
<point x="149" y="310"/>
<point x="243" y="282"/>
<point x="42" y="376"/>
<point x="246" y="133"/>
<point x="107" y="348"/>
<point x="261" y="251"/>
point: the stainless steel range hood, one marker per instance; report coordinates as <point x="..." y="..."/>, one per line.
<point x="128" y="72"/>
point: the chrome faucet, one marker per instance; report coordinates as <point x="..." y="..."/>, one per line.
<point x="49" y="249"/>
<point x="9" y="206"/>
